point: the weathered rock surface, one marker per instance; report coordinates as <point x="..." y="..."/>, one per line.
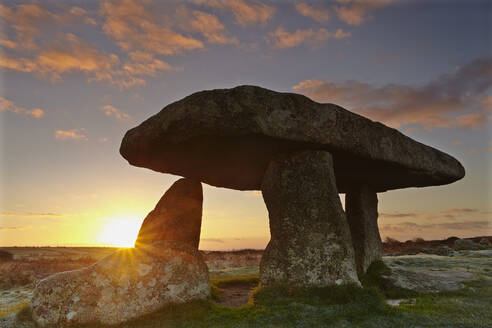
<point x="227" y="138"/>
<point x="310" y="238"/>
<point x="361" y="207"/>
<point x="431" y="273"/>
<point x="122" y="286"/>
<point x="176" y="217"/>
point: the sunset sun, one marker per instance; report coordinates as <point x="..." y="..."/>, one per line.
<point x="119" y="232"/>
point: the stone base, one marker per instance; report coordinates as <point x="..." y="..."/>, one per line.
<point x="123" y="286"/>
<point x="310" y="239"/>
<point x="361" y="206"/>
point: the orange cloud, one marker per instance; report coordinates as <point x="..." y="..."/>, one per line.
<point x="209" y="26"/>
<point x="8" y="106"/>
<point x="283" y="39"/>
<point x="30" y="214"/>
<point x="452" y="100"/>
<point x="115" y="112"/>
<point x="30" y="20"/>
<point x="73" y="134"/>
<point x="317" y="13"/>
<point x="355" y="12"/>
<point x="245" y="12"/>
<point x="70" y="54"/>
<point x="135" y="27"/>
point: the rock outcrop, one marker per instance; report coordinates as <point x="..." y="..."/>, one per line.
<point x="310" y="238"/>
<point x="361" y="206"/>
<point x="227" y="138"/>
<point x="176" y="217"/>
<point x="165" y="267"/>
<point x="128" y="284"/>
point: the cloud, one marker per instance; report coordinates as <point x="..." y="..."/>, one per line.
<point x="206" y="24"/>
<point x="461" y="210"/>
<point x="8" y="106"/>
<point x="355" y="12"/>
<point x="12" y="228"/>
<point x="451" y="213"/>
<point x="133" y="26"/>
<point x="458" y="143"/>
<point x="30" y="214"/>
<point x="397" y="215"/>
<point x="73" y="134"/>
<point x="319" y="14"/>
<point x="29" y="21"/>
<point x="246" y="13"/>
<point x="70" y="54"/>
<point x="452" y="100"/>
<point x="64" y="53"/>
<point x="115" y="112"/>
<point x="283" y="39"/>
<point x="144" y="64"/>
<point x="415" y="227"/>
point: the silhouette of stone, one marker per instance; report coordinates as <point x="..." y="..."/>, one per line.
<point x="227" y="138"/>
<point x="176" y="217"/>
<point x="310" y="238"/>
<point x="122" y="286"/>
<point x="361" y="207"/>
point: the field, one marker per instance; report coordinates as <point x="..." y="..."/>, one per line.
<point x="402" y="291"/>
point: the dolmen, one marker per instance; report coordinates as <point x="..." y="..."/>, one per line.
<point x="301" y="154"/>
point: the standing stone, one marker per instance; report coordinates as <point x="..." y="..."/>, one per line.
<point x="176" y="217"/>
<point x="361" y="206"/>
<point x="310" y="239"/>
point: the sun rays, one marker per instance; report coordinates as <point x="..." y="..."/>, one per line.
<point x="120" y="232"/>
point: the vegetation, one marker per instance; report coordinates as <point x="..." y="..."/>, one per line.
<point x="6" y="256"/>
<point x="377" y="277"/>
<point x="391" y="241"/>
<point x="284" y="305"/>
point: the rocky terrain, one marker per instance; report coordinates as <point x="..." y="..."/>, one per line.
<point x="421" y="273"/>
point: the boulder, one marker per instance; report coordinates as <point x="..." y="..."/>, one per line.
<point x="122" y="286"/>
<point x="464" y="244"/>
<point x="361" y="206"/>
<point x="228" y="137"/>
<point x="310" y="239"/>
<point x="176" y="217"/>
<point x="424" y="280"/>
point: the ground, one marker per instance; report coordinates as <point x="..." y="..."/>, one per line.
<point x="464" y="301"/>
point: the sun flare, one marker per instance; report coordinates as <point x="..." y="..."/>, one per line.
<point x="120" y="232"/>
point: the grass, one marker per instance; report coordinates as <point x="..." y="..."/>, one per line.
<point x="376" y="277"/>
<point x="284" y="305"/>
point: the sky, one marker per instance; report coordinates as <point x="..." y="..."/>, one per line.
<point x="76" y="75"/>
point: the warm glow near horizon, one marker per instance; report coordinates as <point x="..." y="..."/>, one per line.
<point x="119" y="232"/>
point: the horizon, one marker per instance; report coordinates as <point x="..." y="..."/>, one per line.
<point x="75" y="76"/>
